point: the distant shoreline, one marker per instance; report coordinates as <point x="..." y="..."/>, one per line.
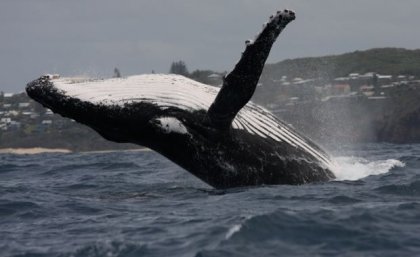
<point x="33" y="150"/>
<point x="40" y="150"/>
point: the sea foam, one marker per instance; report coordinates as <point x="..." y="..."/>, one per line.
<point x="355" y="168"/>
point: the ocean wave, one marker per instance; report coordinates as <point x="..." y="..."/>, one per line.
<point x="315" y="233"/>
<point x="233" y="230"/>
<point x="22" y="208"/>
<point x="411" y="189"/>
<point x="342" y="199"/>
<point x="112" y="248"/>
<point x="140" y="204"/>
<point x="16" y="167"/>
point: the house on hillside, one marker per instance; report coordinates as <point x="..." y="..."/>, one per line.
<point x="46" y="122"/>
<point x="48" y="112"/>
<point x="5" y="120"/>
<point x="23" y="105"/>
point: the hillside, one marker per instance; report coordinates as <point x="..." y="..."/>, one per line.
<point x="324" y="103"/>
<point x="391" y="61"/>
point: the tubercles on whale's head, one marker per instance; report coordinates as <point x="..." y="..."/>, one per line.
<point x="41" y="89"/>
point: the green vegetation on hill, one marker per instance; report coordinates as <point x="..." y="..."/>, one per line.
<point x="390" y="61"/>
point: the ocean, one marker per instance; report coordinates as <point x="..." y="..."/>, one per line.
<point x="140" y="204"/>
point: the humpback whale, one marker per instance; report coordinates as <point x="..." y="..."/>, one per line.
<point x="218" y="135"/>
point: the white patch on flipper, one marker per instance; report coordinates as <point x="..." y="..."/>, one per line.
<point x="171" y="125"/>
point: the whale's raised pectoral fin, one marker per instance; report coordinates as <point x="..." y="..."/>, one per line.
<point x="239" y="85"/>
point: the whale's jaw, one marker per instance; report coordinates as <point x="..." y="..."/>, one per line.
<point x="122" y="124"/>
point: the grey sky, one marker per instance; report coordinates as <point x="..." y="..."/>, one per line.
<point x="91" y="37"/>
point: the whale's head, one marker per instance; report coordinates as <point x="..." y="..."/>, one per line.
<point x="133" y="109"/>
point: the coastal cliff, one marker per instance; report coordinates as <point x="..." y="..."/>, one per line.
<point x="358" y="119"/>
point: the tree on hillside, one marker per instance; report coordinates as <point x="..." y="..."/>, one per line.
<point x="117" y="73"/>
<point x="376" y="86"/>
<point x="179" y="67"/>
<point x="207" y="77"/>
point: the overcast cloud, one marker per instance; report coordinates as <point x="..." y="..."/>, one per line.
<point x="91" y="37"/>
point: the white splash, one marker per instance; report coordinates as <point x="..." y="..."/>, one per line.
<point x="355" y="168"/>
<point x="172" y="125"/>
